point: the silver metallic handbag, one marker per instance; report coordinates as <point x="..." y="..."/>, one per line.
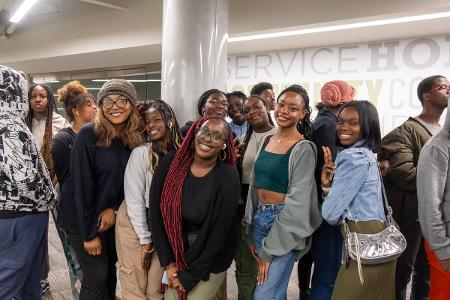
<point x="376" y="248"/>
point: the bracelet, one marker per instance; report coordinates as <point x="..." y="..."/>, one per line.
<point x="148" y="251"/>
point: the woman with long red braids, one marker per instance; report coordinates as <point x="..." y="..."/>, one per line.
<point x="193" y="200"/>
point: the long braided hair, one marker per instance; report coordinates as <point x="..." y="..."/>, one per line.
<point x="48" y="134"/>
<point x="172" y="136"/>
<point x="249" y="132"/>
<point x="171" y="197"/>
<point x="305" y="126"/>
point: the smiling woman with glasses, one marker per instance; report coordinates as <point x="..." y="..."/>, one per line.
<point x="108" y="103"/>
<point x="193" y="200"/>
<point x="214" y="137"/>
<point x="212" y="103"/>
<point x="99" y="156"/>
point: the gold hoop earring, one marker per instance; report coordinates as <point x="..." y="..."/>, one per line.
<point x="222" y="158"/>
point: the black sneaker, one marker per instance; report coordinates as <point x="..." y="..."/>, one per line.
<point x="45" y="286"/>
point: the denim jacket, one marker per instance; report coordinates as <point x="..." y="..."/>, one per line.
<point x="356" y="189"/>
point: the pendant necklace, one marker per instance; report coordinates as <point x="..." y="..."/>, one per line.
<point x="279" y="140"/>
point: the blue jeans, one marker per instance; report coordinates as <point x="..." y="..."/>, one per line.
<point x="280" y="269"/>
<point x="326" y="250"/>
<point x="22" y="256"/>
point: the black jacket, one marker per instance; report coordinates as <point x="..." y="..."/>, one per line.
<point x="324" y="135"/>
<point x="402" y="147"/>
<point x="61" y="150"/>
<point x="97" y="175"/>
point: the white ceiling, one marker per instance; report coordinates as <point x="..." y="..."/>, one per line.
<point x="60" y="35"/>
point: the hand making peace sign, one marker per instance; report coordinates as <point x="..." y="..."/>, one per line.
<point x="328" y="169"/>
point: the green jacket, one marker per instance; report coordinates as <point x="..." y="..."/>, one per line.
<point x="300" y="216"/>
<point x="402" y="147"/>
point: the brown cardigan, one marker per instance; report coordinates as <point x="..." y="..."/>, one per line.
<point x="402" y="147"/>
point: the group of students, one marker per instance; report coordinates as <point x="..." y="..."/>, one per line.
<point x="170" y="208"/>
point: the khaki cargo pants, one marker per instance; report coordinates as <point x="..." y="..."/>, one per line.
<point x="135" y="282"/>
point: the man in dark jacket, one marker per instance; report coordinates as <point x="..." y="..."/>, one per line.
<point x="26" y="194"/>
<point x="402" y="147"/>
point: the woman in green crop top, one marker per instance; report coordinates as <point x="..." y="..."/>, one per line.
<point x="282" y="209"/>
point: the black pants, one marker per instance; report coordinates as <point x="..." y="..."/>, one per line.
<point x="413" y="260"/>
<point x="304" y="271"/>
<point x="99" y="281"/>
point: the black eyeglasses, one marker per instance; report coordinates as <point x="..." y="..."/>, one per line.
<point x="216" y="138"/>
<point x="109" y="103"/>
<point x="215" y="101"/>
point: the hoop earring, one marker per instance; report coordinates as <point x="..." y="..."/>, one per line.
<point x="222" y="158"/>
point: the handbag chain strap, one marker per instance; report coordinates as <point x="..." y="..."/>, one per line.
<point x="388" y="208"/>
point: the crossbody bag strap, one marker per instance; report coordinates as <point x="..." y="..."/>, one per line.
<point x="386" y="205"/>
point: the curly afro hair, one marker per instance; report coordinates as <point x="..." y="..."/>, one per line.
<point x="68" y="96"/>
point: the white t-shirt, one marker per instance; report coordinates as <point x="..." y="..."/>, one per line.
<point x="431" y="127"/>
<point x="250" y="153"/>
<point x="38" y="127"/>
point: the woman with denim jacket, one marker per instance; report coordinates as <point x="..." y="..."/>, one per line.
<point x="354" y="194"/>
<point x="282" y="210"/>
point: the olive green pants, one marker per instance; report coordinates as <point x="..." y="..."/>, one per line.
<point x="379" y="280"/>
<point x="204" y="290"/>
<point x="212" y="289"/>
<point x="246" y="265"/>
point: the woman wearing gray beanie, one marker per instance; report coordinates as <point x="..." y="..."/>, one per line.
<point x="99" y="156"/>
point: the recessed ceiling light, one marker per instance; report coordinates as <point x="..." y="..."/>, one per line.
<point x="341" y="27"/>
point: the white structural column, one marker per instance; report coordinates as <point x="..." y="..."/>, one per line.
<point x="194" y="52"/>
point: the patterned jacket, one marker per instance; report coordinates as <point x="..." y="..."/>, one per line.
<point x="25" y="185"/>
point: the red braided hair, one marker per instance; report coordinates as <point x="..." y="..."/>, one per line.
<point x="171" y="197"/>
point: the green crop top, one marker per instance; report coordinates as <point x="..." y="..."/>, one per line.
<point x="272" y="170"/>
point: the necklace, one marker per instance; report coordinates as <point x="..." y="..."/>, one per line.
<point x="280" y="140"/>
